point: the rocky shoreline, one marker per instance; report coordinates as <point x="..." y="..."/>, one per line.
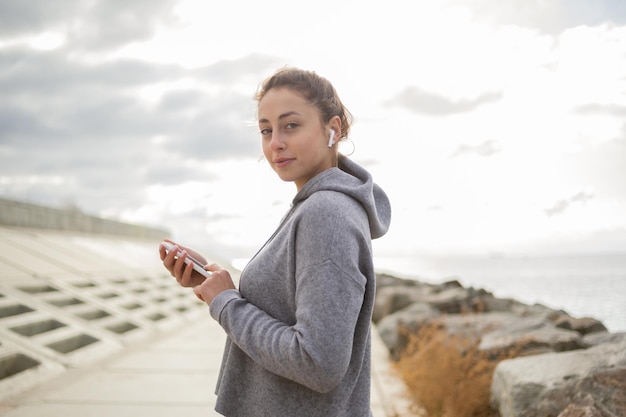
<point x="556" y="365"/>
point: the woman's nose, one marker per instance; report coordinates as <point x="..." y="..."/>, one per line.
<point x="277" y="141"/>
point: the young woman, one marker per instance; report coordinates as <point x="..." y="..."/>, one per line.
<point x="299" y="325"/>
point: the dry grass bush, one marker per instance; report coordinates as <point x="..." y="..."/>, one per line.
<point x="448" y="375"/>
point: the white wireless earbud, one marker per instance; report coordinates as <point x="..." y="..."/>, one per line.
<point x="331" y="140"/>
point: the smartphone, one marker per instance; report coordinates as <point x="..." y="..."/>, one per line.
<point x="197" y="265"/>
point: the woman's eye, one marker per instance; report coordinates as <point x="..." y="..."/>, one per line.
<point x="291" y="125"/>
<point x="266" y="131"/>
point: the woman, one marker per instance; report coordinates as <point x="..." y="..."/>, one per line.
<point x="299" y="325"/>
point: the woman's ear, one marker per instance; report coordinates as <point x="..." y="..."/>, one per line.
<point x="334" y="125"/>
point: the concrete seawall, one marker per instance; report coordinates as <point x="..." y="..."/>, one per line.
<point x="27" y="215"/>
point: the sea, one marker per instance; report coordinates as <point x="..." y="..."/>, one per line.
<point x="583" y="285"/>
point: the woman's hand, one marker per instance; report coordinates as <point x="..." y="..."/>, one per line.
<point x="184" y="273"/>
<point x="219" y="281"/>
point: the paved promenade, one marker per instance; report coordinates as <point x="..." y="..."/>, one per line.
<point x="83" y="334"/>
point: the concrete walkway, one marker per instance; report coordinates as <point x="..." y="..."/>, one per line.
<point x="169" y="375"/>
<point x="92" y="343"/>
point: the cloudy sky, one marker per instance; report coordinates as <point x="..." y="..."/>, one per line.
<point x="494" y="126"/>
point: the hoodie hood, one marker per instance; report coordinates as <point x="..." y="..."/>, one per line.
<point x="355" y="181"/>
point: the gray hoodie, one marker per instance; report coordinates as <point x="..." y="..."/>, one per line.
<point x="299" y="326"/>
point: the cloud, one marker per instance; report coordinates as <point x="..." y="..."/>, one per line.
<point x="253" y="66"/>
<point x="28" y="73"/>
<point x="90" y="25"/>
<point x="208" y="135"/>
<point x="51" y="101"/>
<point x="549" y="16"/>
<point x="423" y="102"/>
<point x="81" y="127"/>
<point x="487" y="148"/>
<point x="106" y="25"/>
<point x="87" y="124"/>
<point x="27" y="17"/>
<point x="601" y="166"/>
<point x="561" y="206"/>
<point x="606" y="109"/>
<point x="48" y="102"/>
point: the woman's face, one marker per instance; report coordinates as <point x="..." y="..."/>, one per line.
<point x="294" y="140"/>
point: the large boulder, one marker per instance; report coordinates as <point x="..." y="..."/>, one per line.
<point x="600" y="338"/>
<point x="589" y="382"/>
<point x="583" y="325"/>
<point x="395" y="328"/>
<point x="393" y="294"/>
<point x="532" y="335"/>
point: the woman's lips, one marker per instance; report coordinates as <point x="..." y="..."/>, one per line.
<point x="283" y="162"/>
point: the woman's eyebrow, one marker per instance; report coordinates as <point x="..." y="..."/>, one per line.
<point x="282" y="116"/>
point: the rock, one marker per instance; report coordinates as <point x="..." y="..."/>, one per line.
<point x="526" y="310"/>
<point x="580" y="411"/>
<point x="391" y="299"/>
<point x="392" y="328"/>
<point x="393" y="294"/>
<point x="454" y="300"/>
<point x="595" y="339"/>
<point x="384" y="280"/>
<point x="546" y="385"/>
<point x="532" y="335"/>
<point x="453" y="283"/>
<point x="584" y="325"/>
<point x="492" y="303"/>
<point x="473" y="326"/>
